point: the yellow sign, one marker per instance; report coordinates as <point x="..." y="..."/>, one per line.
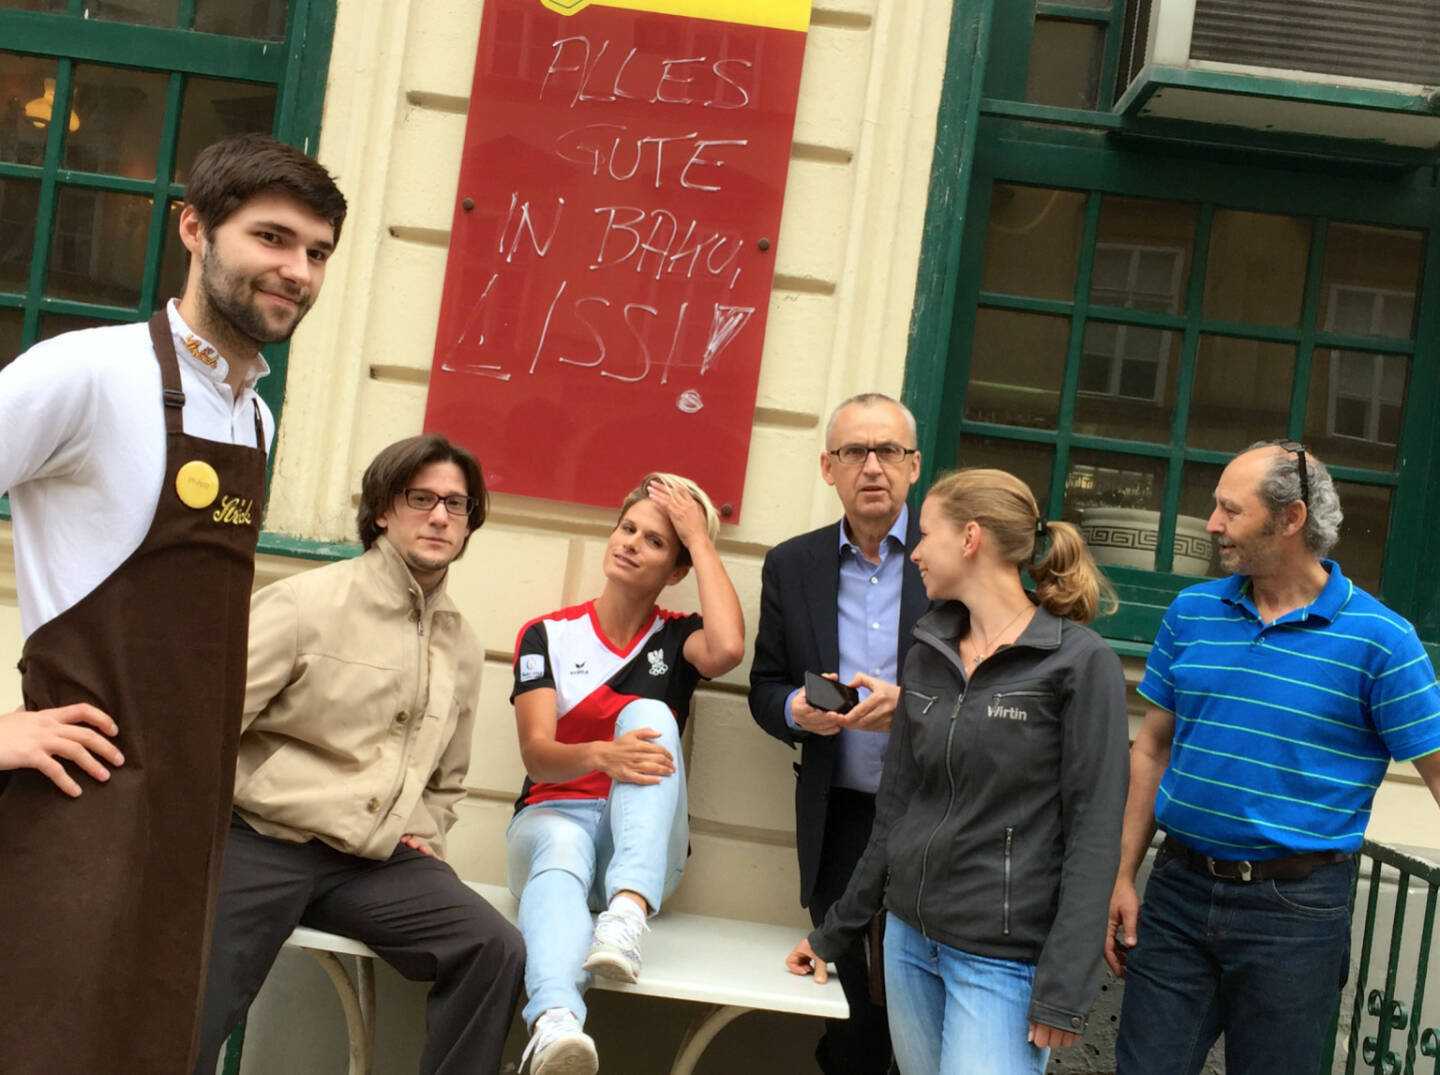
<point x="197" y="484"/>
<point x="777" y="14"/>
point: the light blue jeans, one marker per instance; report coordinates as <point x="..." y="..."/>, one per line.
<point x="953" y="1013"/>
<point x="568" y="857"/>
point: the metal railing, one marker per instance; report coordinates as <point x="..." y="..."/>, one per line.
<point x="1381" y="1023"/>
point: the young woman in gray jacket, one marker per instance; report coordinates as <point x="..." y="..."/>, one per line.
<point x="997" y="827"/>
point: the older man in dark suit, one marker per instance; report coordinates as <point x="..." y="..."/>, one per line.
<point x="842" y="600"/>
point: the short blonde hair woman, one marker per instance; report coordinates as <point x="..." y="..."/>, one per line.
<point x="601" y="694"/>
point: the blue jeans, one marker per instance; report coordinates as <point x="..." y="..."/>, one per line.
<point x="568" y="857"/>
<point x="952" y="1013"/>
<point x="1262" y="963"/>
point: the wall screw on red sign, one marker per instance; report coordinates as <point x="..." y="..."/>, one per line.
<point x="468" y="204"/>
<point x="763" y="244"/>
<point x="727" y="510"/>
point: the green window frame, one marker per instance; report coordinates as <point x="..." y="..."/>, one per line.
<point x="295" y="67"/>
<point x="990" y="134"/>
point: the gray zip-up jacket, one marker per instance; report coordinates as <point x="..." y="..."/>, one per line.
<point x="997" y="821"/>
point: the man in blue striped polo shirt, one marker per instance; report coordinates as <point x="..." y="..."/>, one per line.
<point x="1278" y="696"/>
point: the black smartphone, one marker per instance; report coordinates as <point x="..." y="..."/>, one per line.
<point x="827" y="694"/>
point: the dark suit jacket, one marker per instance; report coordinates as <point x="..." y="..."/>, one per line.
<point x="799" y="632"/>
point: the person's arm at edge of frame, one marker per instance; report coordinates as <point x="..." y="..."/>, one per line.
<point x="446" y="786"/>
<point x="1093" y="774"/>
<point x="850" y="915"/>
<point x="42" y="411"/>
<point x="1428" y="766"/>
<point x="1149" y="758"/>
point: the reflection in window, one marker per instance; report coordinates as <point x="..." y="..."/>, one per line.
<point x="1065" y="60"/>
<point x="12" y="322"/>
<point x="1128" y="361"/>
<point x="1032" y="245"/>
<point x="19" y="202"/>
<point x="1017" y="364"/>
<point x="1028" y="461"/>
<point x="1366" y="396"/>
<point x="1241" y="392"/>
<point x="1257" y="264"/>
<point x="1363" y="533"/>
<point x="1361" y="262"/>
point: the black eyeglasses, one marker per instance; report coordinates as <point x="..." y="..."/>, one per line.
<point x="424" y="500"/>
<point x="853" y="455"/>
<point x="1299" y="450"/>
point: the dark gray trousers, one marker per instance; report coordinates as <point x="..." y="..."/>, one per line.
<point x="411" y="909"/>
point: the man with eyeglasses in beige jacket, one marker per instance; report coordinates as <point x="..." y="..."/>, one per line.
<point x="360" y="700"/>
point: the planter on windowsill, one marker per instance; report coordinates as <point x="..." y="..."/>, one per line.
<point x="1127" y="536"/>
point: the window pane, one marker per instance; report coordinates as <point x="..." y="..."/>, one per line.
<point x="1016" y="366"/>
<point x="1197" y="501"/>
<point x="1065" y="60"/>
<point x="1241" y="394"/>
<point x="1031" y="463"/>
<point x="173" y="260"/>
<point x="1361" y="550"/>
<point x="139" y="12"/>
<point x="53" y="7"/>
<point x="24" y="107"/>
<point x="54" y="324"/>
<point x="120" y="113"/>
<point x="19" y="204"/>
<point x="1127" y="382"/>
<point x="1032" y="245"/>
<point x="1371" y="278"/>
<point x="97" y="251"/>
<point x="1256" y="270"/>
<point x="1142" y="254"/>
<point x="264" y="19"/>
<point x="212" y="110"/>
<point x="12" y="324"/>
<point x="1115" y="500"/>
<point x="1353" y="415"/>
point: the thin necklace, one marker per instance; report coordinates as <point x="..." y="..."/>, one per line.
<point x="979" y="656"/>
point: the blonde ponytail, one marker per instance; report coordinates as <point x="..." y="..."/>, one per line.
<point x="1067" y="582"/>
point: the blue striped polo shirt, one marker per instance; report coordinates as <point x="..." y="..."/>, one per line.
<point x="1283" y="731"/>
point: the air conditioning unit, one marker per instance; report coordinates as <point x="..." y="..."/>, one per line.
<point x="1364" y="71"/>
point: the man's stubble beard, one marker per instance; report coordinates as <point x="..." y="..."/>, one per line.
<point x="218" y="285"/>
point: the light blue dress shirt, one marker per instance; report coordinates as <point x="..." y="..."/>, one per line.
<point x="869" y="633"/>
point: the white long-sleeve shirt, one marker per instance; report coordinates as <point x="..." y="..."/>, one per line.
<point x="82" y="450"/>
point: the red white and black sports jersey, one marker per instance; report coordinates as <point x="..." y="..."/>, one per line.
<point x="593" y="680"/>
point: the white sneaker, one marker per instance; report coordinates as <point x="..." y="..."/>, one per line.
<point x="615" y="949"/>
<point x="559" y="1046"/>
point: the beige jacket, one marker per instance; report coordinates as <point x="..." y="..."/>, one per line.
<point x="359" y="707"/>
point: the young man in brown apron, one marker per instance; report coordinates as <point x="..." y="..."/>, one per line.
<point x="359" y="713"/>
<point x="106" y="897"/>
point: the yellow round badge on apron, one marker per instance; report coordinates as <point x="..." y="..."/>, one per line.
<point x="197" y="484"/>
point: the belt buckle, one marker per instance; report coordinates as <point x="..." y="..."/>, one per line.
<point x="1242" y="870"/>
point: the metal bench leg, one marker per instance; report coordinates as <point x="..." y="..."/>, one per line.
<point x="701" y="1033"/>
<point x="359" y="1007"/>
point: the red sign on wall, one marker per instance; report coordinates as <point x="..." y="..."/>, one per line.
<point x="614" y="241"/>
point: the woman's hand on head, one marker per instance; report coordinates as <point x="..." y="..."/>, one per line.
<point x="633" y="759"/>
<point x="685" y="513"/>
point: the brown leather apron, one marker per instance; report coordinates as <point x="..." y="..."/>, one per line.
<point x="106" y="901"/>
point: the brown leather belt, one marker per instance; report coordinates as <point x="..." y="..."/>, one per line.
<point x="1285" y="868"/>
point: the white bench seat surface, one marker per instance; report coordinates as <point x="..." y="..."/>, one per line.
<point x="686" y="957"/>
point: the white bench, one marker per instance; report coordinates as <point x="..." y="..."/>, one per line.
<point x="731" y="967"/>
